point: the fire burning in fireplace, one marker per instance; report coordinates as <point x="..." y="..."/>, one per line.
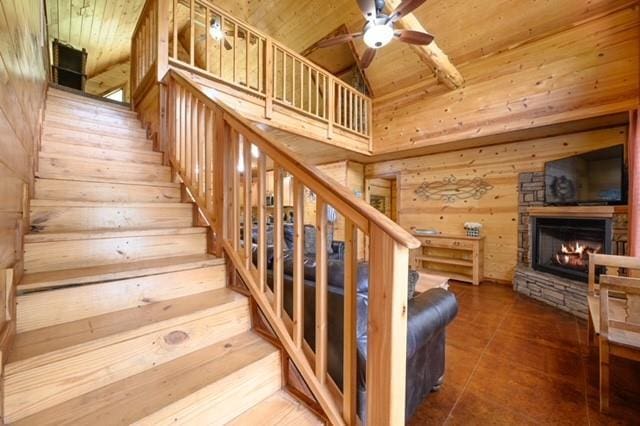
<point x="576" y="254"/>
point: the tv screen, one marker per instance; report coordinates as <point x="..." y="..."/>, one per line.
<point x="595" y="177"/>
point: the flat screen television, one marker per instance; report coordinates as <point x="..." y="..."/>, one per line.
<point x="593" y="178"/>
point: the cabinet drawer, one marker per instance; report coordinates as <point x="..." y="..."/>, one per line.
<point x="447" y="243"/>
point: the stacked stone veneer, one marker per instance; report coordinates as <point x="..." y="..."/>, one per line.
<point x="563" y="293"/>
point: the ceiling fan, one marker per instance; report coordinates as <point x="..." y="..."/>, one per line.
<point x="379" y="28"/>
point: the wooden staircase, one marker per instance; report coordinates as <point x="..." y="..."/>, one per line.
<point x="122" y="316"/>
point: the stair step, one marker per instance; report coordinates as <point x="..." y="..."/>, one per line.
<point x="96" y="128"/>
<point x="107" y="191"/>
<point x="141" y="342"/>
<point x="98" y="153"/>
<point x="65" y="98"/>
<point x="280" y="409"/>
<point x="118" y="271"/>
<point x="43" y="309"/>
<point x="80" y="137"/>
<point x="69" y="216"/>
<point x="216" y="381"/>
<point x="55" y="109"/>
<point x="68" y="167"/>
<point x="72" y="250"/>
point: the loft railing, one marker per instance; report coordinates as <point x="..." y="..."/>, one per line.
<point x="241" y="57"/>
<point x="237" y="176"/>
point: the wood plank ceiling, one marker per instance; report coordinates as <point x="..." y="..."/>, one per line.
<point x="102" y="27"/>
<point x="465" y="30"/>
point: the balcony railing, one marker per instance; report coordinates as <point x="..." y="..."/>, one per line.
<point x="228" y="166"/>
<point x="247" y="60"/>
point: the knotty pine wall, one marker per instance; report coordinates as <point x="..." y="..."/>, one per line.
<point x="499" y="165"/>
<point x="22" y="93"/>
<point x="587" y="70"/>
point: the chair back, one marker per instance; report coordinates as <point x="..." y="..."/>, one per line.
<point x="620" y="266"/>
<point x="620" y="308"/>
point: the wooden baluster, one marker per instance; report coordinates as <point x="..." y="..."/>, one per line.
<point x="175" y="30"/>
<point x="321" y="290"/>
<point x="202" y="141"/>
<point x="330" y="106"/>
<point x="278" y="231"/>
<point x="351" y="115"/>
<point x="284" y="76"/>
<point x="293" y="81"/>
<point x="349" y="367"/>
<point x="269" y="74"/>
<point x="387" y="329"/>
<point x="248" y="225"/>
<point x="301" y="79"/>
<point x="207" y="51"/>
<point x="210" y="137"/>
<point x="235" y="217"/>
<point x="338" y="112"/>
<point x="194" y="146"/>
<point x="317" y="93"/>
<point x="309" y="84"/>
<point x="298" y="262"/>
<point x="187" y="137"/>
<point x="235" y="52"/>
<point x="192" y="37"/>
<point x="262" y="221"/>
<point x="246" y="57"/>
<point x="221" y="163"/>
<point x="221" y="44"/>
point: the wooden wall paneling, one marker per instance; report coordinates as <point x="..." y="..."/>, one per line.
<point x="112" y="78"/>
<point x="23" y="83"/>
<point x="497" y="210"/>
<point x="588" y="70"/>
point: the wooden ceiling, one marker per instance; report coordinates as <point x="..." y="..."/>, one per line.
<point x="465" y="30"/>
<point x="102" y="27"/>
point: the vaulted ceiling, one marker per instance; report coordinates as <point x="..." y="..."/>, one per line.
<point x="464" y="29"/>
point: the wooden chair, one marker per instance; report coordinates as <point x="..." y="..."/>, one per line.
<point x="614" y="266"/>
<point x="619" y="326"/>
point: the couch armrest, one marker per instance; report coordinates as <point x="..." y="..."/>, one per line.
<point x="429" y="312"/>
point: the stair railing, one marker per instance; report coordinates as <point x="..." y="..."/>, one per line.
<point x="197" y="36"/>
<point x="231" y="168"/>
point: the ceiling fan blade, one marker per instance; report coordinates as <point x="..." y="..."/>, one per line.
<point x="367" y="58"/>
<point x="339" y="39"/>
<point x="227" y="45"/>
<point x="405" y="8"/>
<point x="413" y="37"/>
<point x="368" y="8"/>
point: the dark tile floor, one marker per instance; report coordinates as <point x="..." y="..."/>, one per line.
<point x="513" y="360"/>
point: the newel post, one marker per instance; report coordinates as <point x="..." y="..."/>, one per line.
<point x="387" y="332"/>
<point x="162" y="37"/>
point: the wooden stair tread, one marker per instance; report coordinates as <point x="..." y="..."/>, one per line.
<point x="78" y="115"/>
<point x="139" y="396"/>
<point x="95" y="235"/>
<point x="117" y="271"/>
<point x="280" y="409"/>
<point x="40" y="382"/>
<point x="164" y="184"/>
<point x="57" y="95"/>
<point x="74" y="190"/>
<point x="115" y="153"/>
<point x="99" y="204"/>
<point x="46" y="340"/>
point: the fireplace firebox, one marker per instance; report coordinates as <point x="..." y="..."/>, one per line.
<point x="561" y="246"/>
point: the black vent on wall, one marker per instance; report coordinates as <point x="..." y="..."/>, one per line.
<point x="69" y="65"/>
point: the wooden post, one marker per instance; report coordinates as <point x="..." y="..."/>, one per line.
<point x="321" y="290"/>
<point x="298" y="262"/>
<point x="162" y="63"/>
<point x="350" y="363"/>
<point x="163" y="133"/>
<point x="268" y="79"/>
<point x="387" y="331"/>
<point x="220" y="156"/>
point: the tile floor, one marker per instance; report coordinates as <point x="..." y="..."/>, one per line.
<point x="513" y="360"/>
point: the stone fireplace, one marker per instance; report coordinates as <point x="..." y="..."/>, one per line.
<point x="554" y="245"/>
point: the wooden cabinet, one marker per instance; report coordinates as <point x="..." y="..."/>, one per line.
<point x="458" y="257"/>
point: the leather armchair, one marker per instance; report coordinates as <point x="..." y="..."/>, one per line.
<point x="429" y="314"/>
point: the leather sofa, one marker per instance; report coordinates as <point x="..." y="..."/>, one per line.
<point x="429" y="314"/>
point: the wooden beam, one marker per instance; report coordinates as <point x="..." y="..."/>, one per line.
<point x="431" y="54"/>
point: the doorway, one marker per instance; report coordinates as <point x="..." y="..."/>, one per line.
<point x="382" y="193"/>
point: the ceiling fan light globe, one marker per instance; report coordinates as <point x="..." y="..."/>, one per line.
<point x="378" y="35"/>
<point x="215" y="30"/>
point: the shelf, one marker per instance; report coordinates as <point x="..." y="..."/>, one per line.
<point x="446" y="260"/>
<point x="450" y="275"/>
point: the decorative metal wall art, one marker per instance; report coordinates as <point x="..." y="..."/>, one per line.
<point x="450" y="189"/>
